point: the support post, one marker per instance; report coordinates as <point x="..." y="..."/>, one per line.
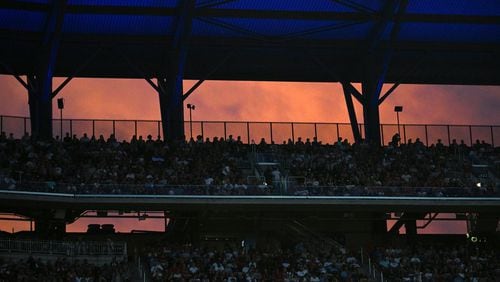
<point x="404" y="133"/>
<point x="382" y="134"/>
<point x="170" y="88"/>
<point x="449" y="137"/>
<point x="40" y="81"/>
<point x="371" y="88"/>
<point x="399" y="131"/>
<point x="165" y="221"/>
<point x="427" y="136"/>
<point x="271" y="131"/>
<point x="248" y="133"/>
<point x="352" y="114"/>
<point x="470" y="135"/>
<point x="158" y="130"/>
<point x="225" y="131"/>
<point x="171" y="108"/>
<point x="61" y="123"/>
<point x="40" y="106"/>
<point x="492" y="136"/>
<point x="377" y="65"/>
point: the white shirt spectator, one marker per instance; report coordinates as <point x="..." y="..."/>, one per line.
<point x="218" y="267"/>
<point x="209" y="181"/>
<point x="276" y="174"/>
<point x="193" y="269"/>
<point x="226" y="170"/>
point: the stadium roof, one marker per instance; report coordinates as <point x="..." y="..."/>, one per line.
<point x="445" y="42"/>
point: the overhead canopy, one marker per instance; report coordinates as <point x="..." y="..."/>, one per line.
<point x="444" y="42"/>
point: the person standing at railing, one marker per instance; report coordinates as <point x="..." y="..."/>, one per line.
<point x="67" y="138"/>
<point x="85" y="139"/>
<point x="395" y="142"/>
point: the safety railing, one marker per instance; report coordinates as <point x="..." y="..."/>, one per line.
<point x="373" y="270"/>
<point x="375" y="273"/>
<point x="67" y="248"/>
<point x="252" y="190"/>
<point x="277" y="132"/>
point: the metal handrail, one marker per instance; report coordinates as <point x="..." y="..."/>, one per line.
<point x="251" y="190"/>
<point x="69" y="248"/>
<point x="267" y="130"/>
<point x="243" y="122"/>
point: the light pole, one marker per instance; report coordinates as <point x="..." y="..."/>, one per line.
<point x="60" y="106"/>
<point x="191" y="108"/>
<point x="398" y="109"/>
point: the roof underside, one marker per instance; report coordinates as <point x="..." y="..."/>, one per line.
<point x="443" y="42"/>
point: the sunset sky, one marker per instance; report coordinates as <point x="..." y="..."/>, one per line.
<point x="263" y="101"/>
<point x="258" y="101"/>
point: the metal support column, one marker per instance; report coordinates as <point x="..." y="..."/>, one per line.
<point x="352" y="113"/>
<point x="40" y="81"/>
<point x="40" y="106"/>
<point x="171" y="109"/>
<point x="49" y="226"/>
<point x="377" y="65"/>
<point x="170" y="87"/>
<point x="371" y="115"/>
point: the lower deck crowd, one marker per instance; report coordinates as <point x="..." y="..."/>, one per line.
<point x="229" y="167"/>
<point x="163" y="260"/>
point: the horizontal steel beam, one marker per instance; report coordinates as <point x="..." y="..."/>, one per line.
<point x="153" y="202"/>
<point x="96" y="40"/>
<point x="254" y="14"/>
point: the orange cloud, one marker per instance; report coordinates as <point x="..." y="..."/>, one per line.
<point x="263" y="101"/>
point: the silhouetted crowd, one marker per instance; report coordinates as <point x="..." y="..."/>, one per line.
<point x="229" y="167"/>
<point x="303" y="262"/>
<point x="439" y="262"/>
<point x="62" y="270"/>
<point x="273" y="261"/>
<point x="311" y="258"/>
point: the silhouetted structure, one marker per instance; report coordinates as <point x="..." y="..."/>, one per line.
<point x="371" y="42"/>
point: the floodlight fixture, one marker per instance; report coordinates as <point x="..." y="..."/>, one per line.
<point x="191" y="108"/>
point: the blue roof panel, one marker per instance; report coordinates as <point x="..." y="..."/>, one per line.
<point x="22" y="20"/>
<point x="280" y="29"/>
<point x="374" y="5"/>
<point x="201" y="27"/>
<point x="36" y="1"/>
<point x="450" y="32"/>
<point x="460" y="7"/>
<point x="346" y="31"/>
<point x="279" y="5"/>
<point x="126" y="3"/>
<point x="126" y="24"/>
<point x="117" y="24"/>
